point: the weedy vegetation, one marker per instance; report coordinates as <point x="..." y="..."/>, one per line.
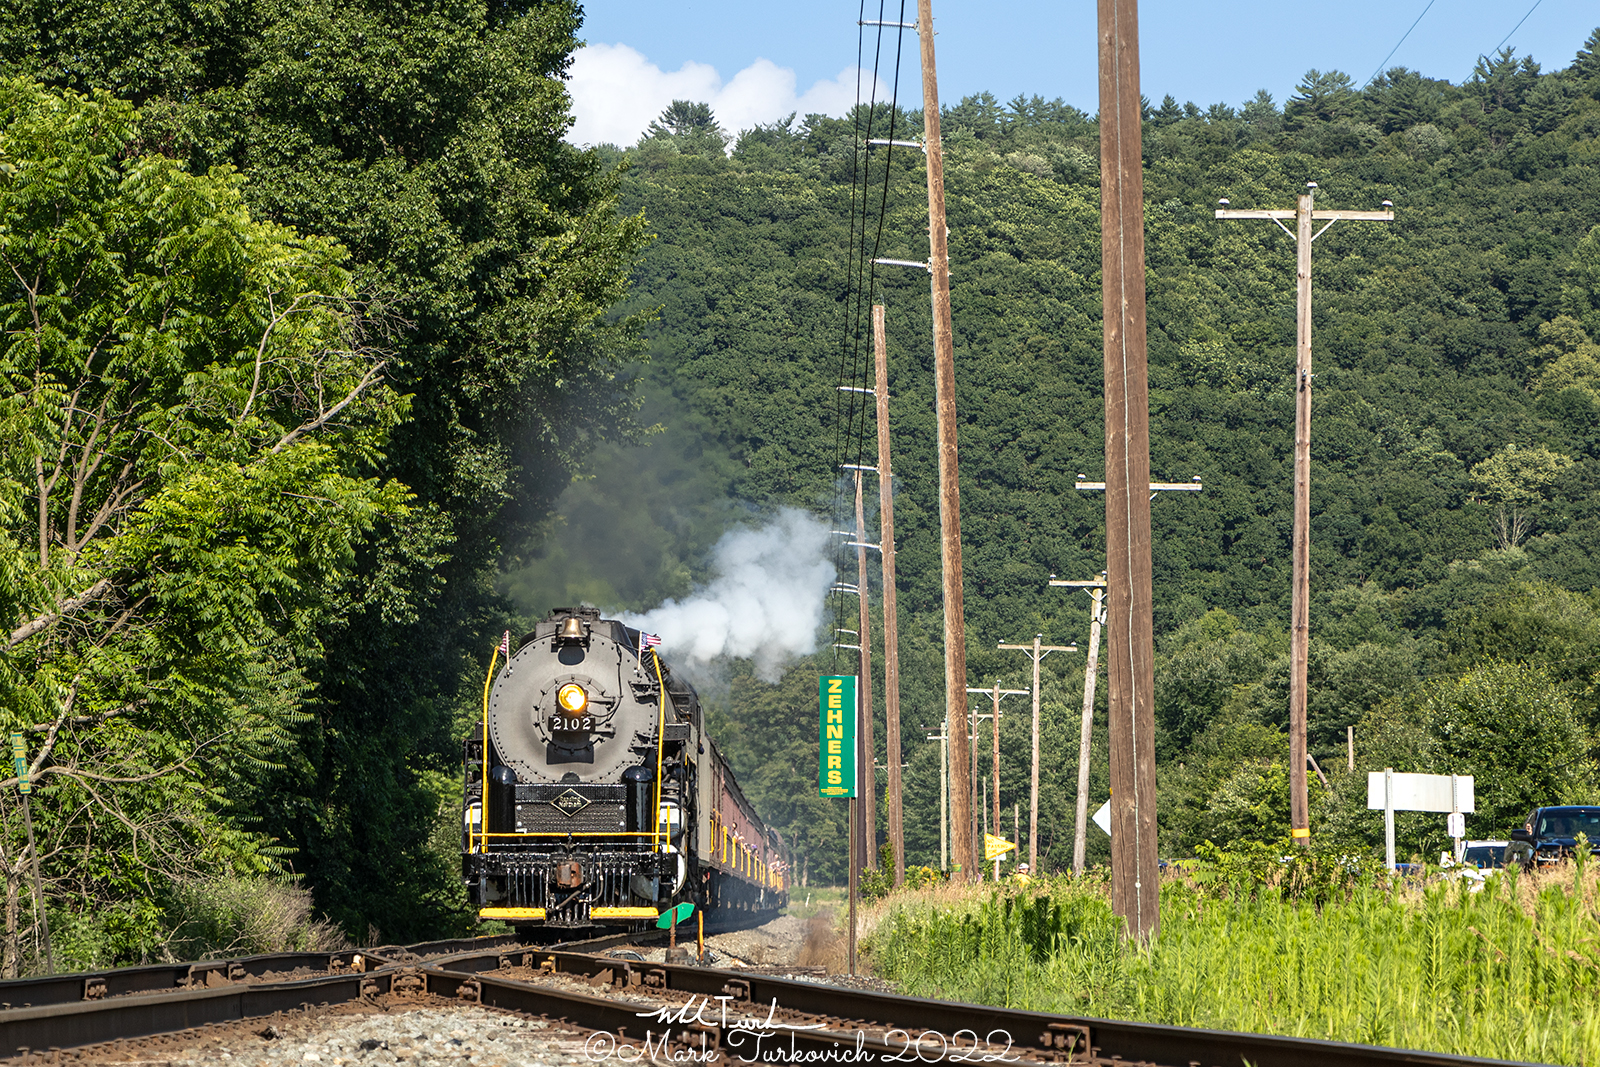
<point x="1318" y="946"/>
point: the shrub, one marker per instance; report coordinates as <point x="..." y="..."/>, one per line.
<point x="245" y="917"/>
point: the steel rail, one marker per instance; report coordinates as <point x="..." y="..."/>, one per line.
<point x="170" y="977"/>
<point x="439" y="948"/>
<point x="93" y="1022"/>
<point x="108" y="983"/>
<point x="1038" y="1035"/>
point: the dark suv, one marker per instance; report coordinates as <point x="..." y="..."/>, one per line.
<point x="1550" y="836"/>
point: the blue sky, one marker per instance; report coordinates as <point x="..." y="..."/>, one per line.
<point x="805" y="53"/>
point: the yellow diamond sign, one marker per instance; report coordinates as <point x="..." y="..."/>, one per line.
<point x="995" y="846"/>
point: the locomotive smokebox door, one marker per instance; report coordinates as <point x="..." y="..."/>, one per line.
<point x="569" y="875"/>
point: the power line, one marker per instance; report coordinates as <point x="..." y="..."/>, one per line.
<point x="849" y="355"/>
<point x="1518" y="26"/>
<point x="866" y="296"/>
<point x="861" y="272"/>
<point x="1397" y="45"/>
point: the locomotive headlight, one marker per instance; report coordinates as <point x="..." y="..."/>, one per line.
<point x="572" y="699"/>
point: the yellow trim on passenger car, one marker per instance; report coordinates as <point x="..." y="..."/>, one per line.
<point x="623" y="913"/>
<point x="510" y="913"/>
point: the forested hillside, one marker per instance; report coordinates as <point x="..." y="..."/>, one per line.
<point x="1456" y="434"/>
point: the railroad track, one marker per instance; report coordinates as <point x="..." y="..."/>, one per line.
<point x="629" y="1009"/>
<point x="284" y="968"/>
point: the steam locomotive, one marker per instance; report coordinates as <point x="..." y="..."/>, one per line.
<point x="593" y="793"/>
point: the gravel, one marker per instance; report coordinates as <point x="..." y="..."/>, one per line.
<point x="445" y="1033"/>
<point x="449" y="1037"/>
<point x="778" y="942"/>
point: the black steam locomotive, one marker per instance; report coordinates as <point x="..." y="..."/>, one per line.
<point x="593" y="793"/>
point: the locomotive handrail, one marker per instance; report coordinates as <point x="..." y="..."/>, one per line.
<point x="483" y="797"/>
<point x="564" y="834"/>
<point x="661" y="744"/>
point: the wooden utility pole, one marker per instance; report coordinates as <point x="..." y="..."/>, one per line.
<point x="1097" y="616"/>
<point x="944" y="391"/>
<point x="996" y="694"/>
<point x="38" y="886"/>
<point x="1039" y="651"/>
<point x="1130" y="663"/>
<point x="943" y="737"/>
<point x="855" y="870"/>
<point x="891" y="632"/>
<point x="1300" y="610"/>
<point x="1080" y="821"/>
<point x="944" y="381"/>
<point x="867" y="775"/>
<point x="976" y="808"/>
<point x="24" y="776"/>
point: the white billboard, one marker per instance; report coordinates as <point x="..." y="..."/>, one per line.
<point x="1420" y="792"/>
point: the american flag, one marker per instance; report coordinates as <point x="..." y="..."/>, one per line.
<point x="505" y="644"/>
<point x="647" y="640"/>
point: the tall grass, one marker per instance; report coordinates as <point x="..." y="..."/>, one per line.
<point x="1512" y="971"/>
<point x="226" y="916"/>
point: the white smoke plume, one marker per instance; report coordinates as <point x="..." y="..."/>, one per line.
<point x="765" y="604"/>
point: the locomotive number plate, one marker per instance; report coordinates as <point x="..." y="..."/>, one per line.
<point x="565" y="725"/>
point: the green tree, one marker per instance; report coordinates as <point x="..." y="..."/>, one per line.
<point x="427" y="139"/>
<point x="1231" y="785"/>
<point x="1580" y="297"/>
<point x="1567" y="359"/>
<point x="683" y="117"/>
<point x="1538" y="624"/>
<point x="1320" y="97"/>
<point x="1515" y="480"/>
<point x="1502" y="81"/>
<point x="1586" y="66"/>
<point x="1205" y="667"/>
<point x="1261" y="112"/>
<point x="1491" y="720"/>
<point x="192" y="404"/>
<point x="684" y="128"/>
<point x="1509" y="725"/>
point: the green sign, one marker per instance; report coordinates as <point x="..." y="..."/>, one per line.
<point x="19" y="756"/>
<point x="836" y="768"/>
<point x="674" y="916"/>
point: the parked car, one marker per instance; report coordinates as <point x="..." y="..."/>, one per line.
<point x="1550" y="835"/>
<point x="1484" y="855"/>
<point x="1479" y="862"/>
